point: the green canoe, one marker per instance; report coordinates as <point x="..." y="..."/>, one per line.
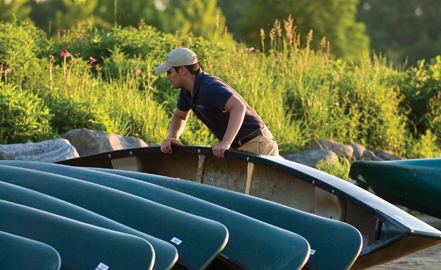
<point x="321" y="233"/>
<point x="80" y="245"/>
<point x="18" y="253"/>
<point x="415" y="184"/>
<point x="252" y="244"/>
<point x="165" y="253"/>
<point x="198" y="240"/>
<point x="388" y="232"/>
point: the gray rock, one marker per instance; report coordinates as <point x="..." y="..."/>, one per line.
<point x="357" y="154"/>
<point x="369" y="155"/>
<point x="45" y="151"/>
<point x="336" y="147"/>
<point x="89" y="142"/>
<point x="311" y="157"/>
<point x="6" y="156"/>
<point x="387" y="155"/>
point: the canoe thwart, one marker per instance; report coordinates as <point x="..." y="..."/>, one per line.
<point x="200" y="173"/>
<point x="250" y="174"/>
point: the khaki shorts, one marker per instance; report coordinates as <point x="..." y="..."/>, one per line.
<point x="264" y="144"/>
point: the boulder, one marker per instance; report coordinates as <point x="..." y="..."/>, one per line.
<point x="45" y="151"/>
<point x="387" y="155"/>
<point x="89" y="142"/>
<point x="357" y="154"/>
<point x="311" y="157"/>
<point x="336" y="147"/>
<point x="369" y="155"/>
<point x="6" y="156"/>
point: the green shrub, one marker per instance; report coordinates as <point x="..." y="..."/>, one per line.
<point x="73" y="112"/>
<point x="21" y="48"/>
<point x="338" y="168"/>
<point x="421" y="88"/>
<point x="22" y="116"/>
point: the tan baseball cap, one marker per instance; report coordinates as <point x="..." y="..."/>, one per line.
<point x="177" y="58"/>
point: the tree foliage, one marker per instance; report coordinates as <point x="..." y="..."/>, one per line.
<point x="14" y="10"/>
<point x="201" y="17"/>
<point x="335" y="19"/>
<point x="403" y="29"/>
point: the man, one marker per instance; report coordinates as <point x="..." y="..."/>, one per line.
<point x="217" y="105"/>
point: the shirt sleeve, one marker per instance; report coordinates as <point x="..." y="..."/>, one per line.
<point x="183" y="104"/>
<point x="217" y="96"/>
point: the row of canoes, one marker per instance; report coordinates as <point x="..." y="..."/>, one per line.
<point x="131" y="209"/>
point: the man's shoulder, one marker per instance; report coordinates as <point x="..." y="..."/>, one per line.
<point x="208" y="80"/>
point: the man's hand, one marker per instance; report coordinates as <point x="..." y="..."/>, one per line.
<point x="219" y="149"/>
<point x="166" y="146"/>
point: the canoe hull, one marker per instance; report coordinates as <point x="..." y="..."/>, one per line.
<point x="18" y="253"/>
<point x="80" y="245"/>
<point x="415" y="184"/>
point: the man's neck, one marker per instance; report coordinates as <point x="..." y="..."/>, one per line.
<point x="189" y="83"/>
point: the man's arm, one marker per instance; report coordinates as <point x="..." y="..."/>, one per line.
<point x="236" y="108"/>
<point x="177" y="126"/>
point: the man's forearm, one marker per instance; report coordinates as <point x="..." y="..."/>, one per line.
<point x="177" y="126"/>
<point x="236" y="119"/>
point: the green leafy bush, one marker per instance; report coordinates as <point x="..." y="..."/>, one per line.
<point x="74" y="113"/>
<point x="21" y="48"/>
<point x="22" y="116"/>
<point x="421" y="90"/>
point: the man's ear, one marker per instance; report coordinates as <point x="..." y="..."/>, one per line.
<point x="183" y="70"/>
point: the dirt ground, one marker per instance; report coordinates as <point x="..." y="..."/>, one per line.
<point x="429" y="259"/>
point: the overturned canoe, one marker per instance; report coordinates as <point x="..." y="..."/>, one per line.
<point x="18" y="253"/>
<point x="199" y="240"/>
<point x="252" y="244"/>
<point x="388" y="232"/>
<point x="80" y="245"/>
<point x="166" y="254"/>
<point x="412" y="183"/>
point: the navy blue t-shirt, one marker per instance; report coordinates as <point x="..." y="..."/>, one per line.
<point x="208" y="100"/>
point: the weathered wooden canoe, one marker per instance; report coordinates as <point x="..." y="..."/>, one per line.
<point x="252" y="244"/>
<point x="199" y="240"/>
<point x="18" y="253"/>
<point x="166" y="254"/>
<point x="388" y="232"/>
<point x="412" y="183"/>
<point x="80" y="245"/>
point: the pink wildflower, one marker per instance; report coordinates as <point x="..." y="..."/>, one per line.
<point x="5" y="70"/>
<point x="137" y="70"/>
<point x="65" y="53"/>
<point x="153" y="77"/>
<point x="250" y="49"/>
<point x="93" y="59"/>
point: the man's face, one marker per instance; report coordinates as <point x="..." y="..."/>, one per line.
<point x="175" y="78"/>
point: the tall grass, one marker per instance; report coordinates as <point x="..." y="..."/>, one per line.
<point x="302" y="93"/>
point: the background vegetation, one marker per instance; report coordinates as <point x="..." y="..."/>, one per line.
<point x="306" y="85"/>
